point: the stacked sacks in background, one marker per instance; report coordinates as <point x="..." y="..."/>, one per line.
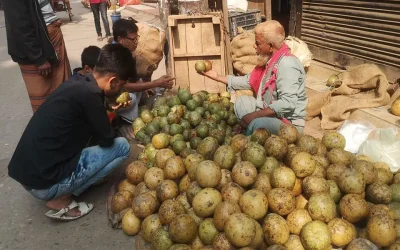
<point x="150" y="49"/>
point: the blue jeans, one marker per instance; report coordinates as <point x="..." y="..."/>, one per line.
<point x="94" y="164"/>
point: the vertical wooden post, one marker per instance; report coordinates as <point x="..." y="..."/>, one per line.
<point x="299" y="17"/>
<point x="204" y="8"/>
<point x="268" y="10"/>
<point x="292" y="19"/>
<point x="164" y="10"/>
<point x="225" y="13"/>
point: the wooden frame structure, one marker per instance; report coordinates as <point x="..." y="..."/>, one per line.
<point x="194" y="38"/>
<point x="219" y="5"/>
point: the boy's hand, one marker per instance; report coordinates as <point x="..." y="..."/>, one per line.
<point x="165" y="82"/>
<point x="121" y="105"/>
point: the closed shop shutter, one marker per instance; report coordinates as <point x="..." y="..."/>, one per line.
<point x="349" y="32"/>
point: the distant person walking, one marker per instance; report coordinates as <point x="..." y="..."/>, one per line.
<point x="36" y="43"/>
<point x="99" y="7"/>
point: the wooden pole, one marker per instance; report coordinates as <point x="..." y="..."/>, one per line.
<point x="268" y="10"/>
<point x="299" y="17"/>
<point x="228" y="56"/>
<point x="204" y="8"/>
<point x="164" y="10"/>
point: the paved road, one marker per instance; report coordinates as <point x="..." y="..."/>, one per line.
<point x="23" y="224"/>
<point x="15" y="109"/>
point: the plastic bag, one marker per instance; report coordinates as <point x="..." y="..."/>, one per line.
<point x="355" y="133"/>
<point x="300" y="50"/>
<point x="383" y="145"/>
<point x="237" y="5"/>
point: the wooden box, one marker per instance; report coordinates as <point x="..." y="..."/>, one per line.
<point x="193" y="38"/>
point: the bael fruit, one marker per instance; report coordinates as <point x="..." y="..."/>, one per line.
<point x="200" y="66"/>
<point x="124" y="97"/>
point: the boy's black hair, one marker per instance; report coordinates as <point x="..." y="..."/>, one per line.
<point x="89" y="56"/>
<point x="116" y="59"/>
<point x="122" y="27"/>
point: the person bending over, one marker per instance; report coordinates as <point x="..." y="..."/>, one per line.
<point x="52" y="160"/>
<point x="278" y="83"/>
<point x="125" y="32"/>
<point x="89" y="58"/>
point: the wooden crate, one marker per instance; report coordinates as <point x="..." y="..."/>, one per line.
<point x="194" y="38"/>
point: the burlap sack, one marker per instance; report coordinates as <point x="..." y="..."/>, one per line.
<point x="364" y="86"/>
<point x="150" y="49"/>
<point x="315" y="102"/>
<point x="244" y="56"/>
<point x="395" y="96"/>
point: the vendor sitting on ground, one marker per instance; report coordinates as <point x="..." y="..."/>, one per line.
<point x="89" y="58"/>
<point x="52" y="160"/>
<point x="125" y="32"/>
<point x="278" y="82"/>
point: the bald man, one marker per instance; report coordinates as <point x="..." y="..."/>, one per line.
<point x="278" y="82"/>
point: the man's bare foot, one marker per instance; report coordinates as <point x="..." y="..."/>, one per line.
<point x="63" y="202"/>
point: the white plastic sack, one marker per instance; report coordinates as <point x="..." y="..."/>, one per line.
<point x="300" y="50"/>
<point x="383" y="145"/>
<point x="355" y="134"/>
<point x="237" y="5"/>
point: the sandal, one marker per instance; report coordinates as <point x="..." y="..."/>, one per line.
<point x="61" y="215"/>
<point x="99" y="38"/>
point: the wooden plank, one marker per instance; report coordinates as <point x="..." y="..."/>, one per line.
<point x="292" y="19"/>
<point x="299" y="17"/>
<point x="211" y="85"/>
<point x="171" y="63"/>
<point x="182" y="72"/>
<point x="196" y="39"/>
<point x="194" y="36"/>
<point x="196" y="80"/>
<point x="343" y="61"/>
<point x="172" y="22"/>
<point x="379" y="117"/>
<point x="216" y="20"/>
<point x="258" y="5"/>
<point x="198" y="54"/>
<point x="185" y="17"/>
<point x="223" y="49"/>
<point x="228" y="62"/>
<point x="210" y="37"/>
<point x="268" y="9"/>
<point x="179" y="38"/>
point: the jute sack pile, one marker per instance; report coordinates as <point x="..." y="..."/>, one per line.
<point x="363" y="86"/>
<point x="244" y="55"/>
<point x="150" y="49"/>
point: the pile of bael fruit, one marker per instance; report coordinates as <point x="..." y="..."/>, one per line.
<point x="200" y="184"/>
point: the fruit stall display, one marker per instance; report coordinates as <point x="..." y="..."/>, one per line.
<point x="201" y="184"/>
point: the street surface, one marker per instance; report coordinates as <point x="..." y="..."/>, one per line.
<point x="23" y="223"/>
